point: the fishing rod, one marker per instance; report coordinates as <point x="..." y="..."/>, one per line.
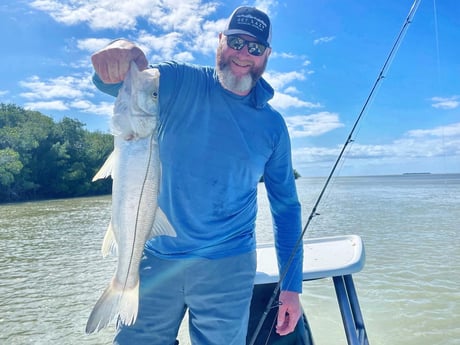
<point x="349" y="140"/>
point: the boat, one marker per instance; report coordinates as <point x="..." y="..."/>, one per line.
<point x="348" y="258"/>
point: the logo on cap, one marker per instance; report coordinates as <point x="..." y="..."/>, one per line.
<point x="250" y="21"/>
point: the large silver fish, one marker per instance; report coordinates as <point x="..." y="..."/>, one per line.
<point x="135" y="169"/>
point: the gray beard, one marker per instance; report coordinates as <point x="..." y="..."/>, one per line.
<point x="232" y="83"/>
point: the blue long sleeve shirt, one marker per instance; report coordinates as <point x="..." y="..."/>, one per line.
<point x="214" y="147"/>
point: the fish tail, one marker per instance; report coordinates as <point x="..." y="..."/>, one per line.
<point x="122" y="302"/>
<point x="104" y="310"/>
<point x="129" y="305"/>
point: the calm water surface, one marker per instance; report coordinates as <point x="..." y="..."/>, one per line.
<point x="52" y="271"/>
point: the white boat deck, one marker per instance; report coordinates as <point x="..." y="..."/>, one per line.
<point x="337" y="257"/>
<point x="323" y="257"/>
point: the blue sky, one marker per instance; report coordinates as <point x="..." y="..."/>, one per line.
<point x="326" y="56"/>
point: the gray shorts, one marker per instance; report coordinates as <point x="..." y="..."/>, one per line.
<point x="216" y="292"/>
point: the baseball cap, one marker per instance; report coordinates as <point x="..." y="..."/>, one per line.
<point x="250" y="21"/>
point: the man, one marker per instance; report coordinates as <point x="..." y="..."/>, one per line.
<point x="217" y="137"/>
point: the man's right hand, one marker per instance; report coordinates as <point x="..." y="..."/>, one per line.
<point x="112" y="62"/>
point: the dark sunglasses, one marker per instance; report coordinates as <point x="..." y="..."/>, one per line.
<point x="254" y="48"/>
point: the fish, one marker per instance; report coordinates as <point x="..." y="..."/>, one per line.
<point x="135" y="168"/>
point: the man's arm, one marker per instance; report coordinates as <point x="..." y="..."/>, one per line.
<point x="286" y="212"/>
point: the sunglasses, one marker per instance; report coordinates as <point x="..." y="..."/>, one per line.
<point x="254" y="48"/>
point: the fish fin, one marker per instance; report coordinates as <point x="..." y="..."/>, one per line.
<point x="113" y="302"/>
<point x="106" y="169"/>
<point x="129" y="305"/>
<point x="162" y="226"/>
<point x="109" y="245"/>
<point x="105" y="309"/>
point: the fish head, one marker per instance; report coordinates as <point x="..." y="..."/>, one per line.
<point x="144" y="117"/>
<point x="136" y="108"/>
<point x="148" y="91"/>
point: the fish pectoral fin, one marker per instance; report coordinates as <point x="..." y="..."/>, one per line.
<point x="106" y="169"/>
<point x="161" y="225"/>
<point x="109" y="245"/>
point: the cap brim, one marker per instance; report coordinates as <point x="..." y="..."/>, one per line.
<point x="242" y="32"/>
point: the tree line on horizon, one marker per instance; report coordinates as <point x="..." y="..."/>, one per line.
<point x="43" y="159"/>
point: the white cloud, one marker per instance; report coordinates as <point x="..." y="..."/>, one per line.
<point x="266" y="5"/>
<point x="446" y="102"/>
<point x="432" y="143"/>
<point x="103" y="108"/>
<point x="279" y="79"/>
<point x="441" y="131"/>
<point x="60" y="87"/>
<point x="105" y="14"/>
<point x="283" y="55"/>
<point x="312" y="125"/>
<point x="92" y="44"/>
<point x="46" y="105"/>
<point x="206" y="42"/>
<point x="164" y="46"/>
<point x="323" y="39"/>
<point x="284" y="101"/>
<point x="62" y="94"/>
<point x="291" y="90"/>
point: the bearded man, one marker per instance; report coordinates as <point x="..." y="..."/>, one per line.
<point x="217" y="137"/>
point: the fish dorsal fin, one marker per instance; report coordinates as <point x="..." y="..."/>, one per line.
<point x="106" y="169"/>
<point x="161" y="225"/>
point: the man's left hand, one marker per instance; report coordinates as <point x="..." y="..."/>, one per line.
<point x="289" y="312"/>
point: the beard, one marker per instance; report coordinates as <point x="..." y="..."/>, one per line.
<point x="232" y="82"/>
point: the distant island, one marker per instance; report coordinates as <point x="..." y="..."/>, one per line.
<point x="417" y="173"/>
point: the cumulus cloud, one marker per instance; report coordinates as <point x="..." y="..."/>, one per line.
<point x="63" y="94"/>
<point x="92" y="44"/>
<point x="60" y="87"/>
<point x="280" y="79"/>
<point x="266" y="6"/>
<point x="104" y="14"/>
<point x="437" y="142"/>
<point x="284" y="96"/>
<point x="312" y="125"/>
<point x="46" y="105"/>
<point x="102" y="108"/>
<point x="164" y="46"/>
<point x="282" y="101"/>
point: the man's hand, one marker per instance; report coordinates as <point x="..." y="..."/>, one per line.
<point x="289" y="312"/>
<point x="112" y="62"/>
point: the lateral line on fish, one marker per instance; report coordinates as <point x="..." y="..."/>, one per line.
<point x="138" y="210"/>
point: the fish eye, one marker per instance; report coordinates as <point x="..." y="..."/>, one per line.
<point x="154" y="94"/>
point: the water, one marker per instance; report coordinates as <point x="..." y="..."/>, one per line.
<point x="52" y="271"/>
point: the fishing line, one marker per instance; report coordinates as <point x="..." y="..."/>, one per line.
<point x="438" y="63"/>
<point x="349" y="140"/>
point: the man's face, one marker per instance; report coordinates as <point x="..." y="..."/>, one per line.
<point x="238" y="71"/>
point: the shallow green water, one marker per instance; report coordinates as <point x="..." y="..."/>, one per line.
<point x="52" y="271"/>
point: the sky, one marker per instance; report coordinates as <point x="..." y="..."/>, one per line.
<point x="327" y="55"/>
